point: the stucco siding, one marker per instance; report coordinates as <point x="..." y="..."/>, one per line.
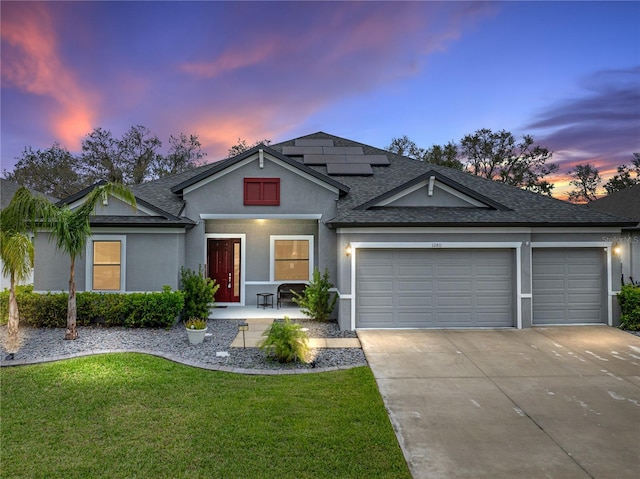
<point x="152" y="260"/>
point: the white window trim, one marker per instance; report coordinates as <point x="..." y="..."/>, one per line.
<point x="272" y="256"/>
<point x="89" y="262"/>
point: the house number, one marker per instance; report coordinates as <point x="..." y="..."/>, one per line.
<point x="436" y="245"/>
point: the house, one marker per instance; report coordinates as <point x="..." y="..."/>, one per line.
<point x="7" y="191"/>
<point x="407" y="244"/>
<point x="625" y="203"/>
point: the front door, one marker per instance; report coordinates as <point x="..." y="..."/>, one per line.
<point x="223" y="258"/>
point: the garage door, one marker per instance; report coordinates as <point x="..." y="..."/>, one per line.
<point x="438" y="288"/>
<point x="568" y="286"/>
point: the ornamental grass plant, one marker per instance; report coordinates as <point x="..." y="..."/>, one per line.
<point x="285" y="341"/>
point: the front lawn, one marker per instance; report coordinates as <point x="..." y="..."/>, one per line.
<point x="133" y="415"/>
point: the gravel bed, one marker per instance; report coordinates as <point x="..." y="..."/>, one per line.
<point x="41" y="343"/>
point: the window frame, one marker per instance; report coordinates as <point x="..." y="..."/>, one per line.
<point x="89" y="262"/>
<point x="272" y="257"/>
<point x="262" y="201"/>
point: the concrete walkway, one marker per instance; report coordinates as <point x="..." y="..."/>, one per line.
<point x="537" y="403"/>
<point x="258" y="326"/>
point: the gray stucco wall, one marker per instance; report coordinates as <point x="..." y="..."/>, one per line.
<point x="152" y="261"/>
<point x="116" y="207"/>
<point x="299" y="195"/>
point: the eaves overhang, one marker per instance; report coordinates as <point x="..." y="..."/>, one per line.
<point x="457" y="224"/>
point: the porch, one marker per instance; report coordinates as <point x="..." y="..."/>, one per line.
<point x="253" y="312"/>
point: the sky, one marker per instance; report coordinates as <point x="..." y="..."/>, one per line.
<point x="566" y="73"/>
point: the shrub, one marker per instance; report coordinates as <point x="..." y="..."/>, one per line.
<point x="199" y="293"/>
<point x="316" y="301"/>
<point x="110" y="309"/>
<point x="286" y="341"/>
<point x="629" y="301"/>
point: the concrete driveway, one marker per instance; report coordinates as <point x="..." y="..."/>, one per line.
<point x="556" y="402"/>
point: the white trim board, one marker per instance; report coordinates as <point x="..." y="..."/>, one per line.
<point x="257" y="216"/>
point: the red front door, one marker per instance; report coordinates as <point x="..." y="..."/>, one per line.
<point x="223" y="258"/>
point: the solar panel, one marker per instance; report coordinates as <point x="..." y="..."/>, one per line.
<point x="314" y="142"/>
<point x="301" y="150"/>
<point x="342" y="150"/>
<point x="355" y="169"/>
<point x="379" y="160"/>
<point x="324" y="159"/>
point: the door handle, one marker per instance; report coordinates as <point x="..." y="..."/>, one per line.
<point x="229" y="282"/>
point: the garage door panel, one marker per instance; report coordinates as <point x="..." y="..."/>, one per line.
<point x="376" y="271"/>
<point x="413" y="270"/>
<point x="412" y="286"/>
<point x="568" y="285"/>
<point x="492" y="285"/>
<point x="581" y="269"/>
<point x="415" y="301"/>
<point x="454" y="270"/>
<point x="457" y="286"/>
<point x="500" y="302"/>
<point x="590" y="284"/>
<point x="437" y="288"/>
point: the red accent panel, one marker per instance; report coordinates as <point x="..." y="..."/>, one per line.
<point x="262" y="191"/>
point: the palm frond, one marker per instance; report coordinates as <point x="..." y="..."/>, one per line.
<point x="17" y="253"/>
<point x="27" y="211"/>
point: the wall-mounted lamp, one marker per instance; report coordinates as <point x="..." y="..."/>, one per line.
<point x="617" y="249"/>
<point x="348" y="250"/>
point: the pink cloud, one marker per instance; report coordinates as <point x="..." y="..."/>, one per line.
<point x="31" y="63"/>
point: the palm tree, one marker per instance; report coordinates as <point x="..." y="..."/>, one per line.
<point x="72" y="230"/>
<point x="23" y="213"/>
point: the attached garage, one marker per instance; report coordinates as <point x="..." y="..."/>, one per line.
<point x="435" y="288"/>
<point x="568" y="285"/>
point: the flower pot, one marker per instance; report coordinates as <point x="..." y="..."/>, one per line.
<point x="196" y="336"/>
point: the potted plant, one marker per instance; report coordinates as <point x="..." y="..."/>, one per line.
<point x="196" y="329"/>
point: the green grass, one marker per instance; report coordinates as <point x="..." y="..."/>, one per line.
<point x="138" y="416"/>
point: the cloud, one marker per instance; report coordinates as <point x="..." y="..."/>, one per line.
<point x="31" y="63"/>
<point x="321" y="53"/>
<point x="601" y="127"/>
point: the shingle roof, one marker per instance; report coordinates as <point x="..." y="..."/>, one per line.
<point x="521" y="207"/>
<point x="625" y="203"/>
<point x="8" y="190"/>
<point x="507" y="205"/>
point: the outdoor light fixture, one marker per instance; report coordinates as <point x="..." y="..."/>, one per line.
<point x="347" y="250"/>
<point x="243" y="327"/>
<point x="617" y="250"/>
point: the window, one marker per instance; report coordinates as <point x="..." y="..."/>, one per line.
<point x="262" y="191"/>
<point x="291" y="258"/>
<point x="105" y="266"/>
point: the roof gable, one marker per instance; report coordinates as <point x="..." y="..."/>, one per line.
<point x="432" y="189"/>
<point x="145" y="213"/>
<point x="254" y="153"/>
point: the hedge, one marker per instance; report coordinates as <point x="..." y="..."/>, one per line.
<point x="629" y="301"/>
<point x="134" y="310"/>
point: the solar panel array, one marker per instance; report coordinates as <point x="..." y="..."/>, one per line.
<point x="339" y="160"/>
